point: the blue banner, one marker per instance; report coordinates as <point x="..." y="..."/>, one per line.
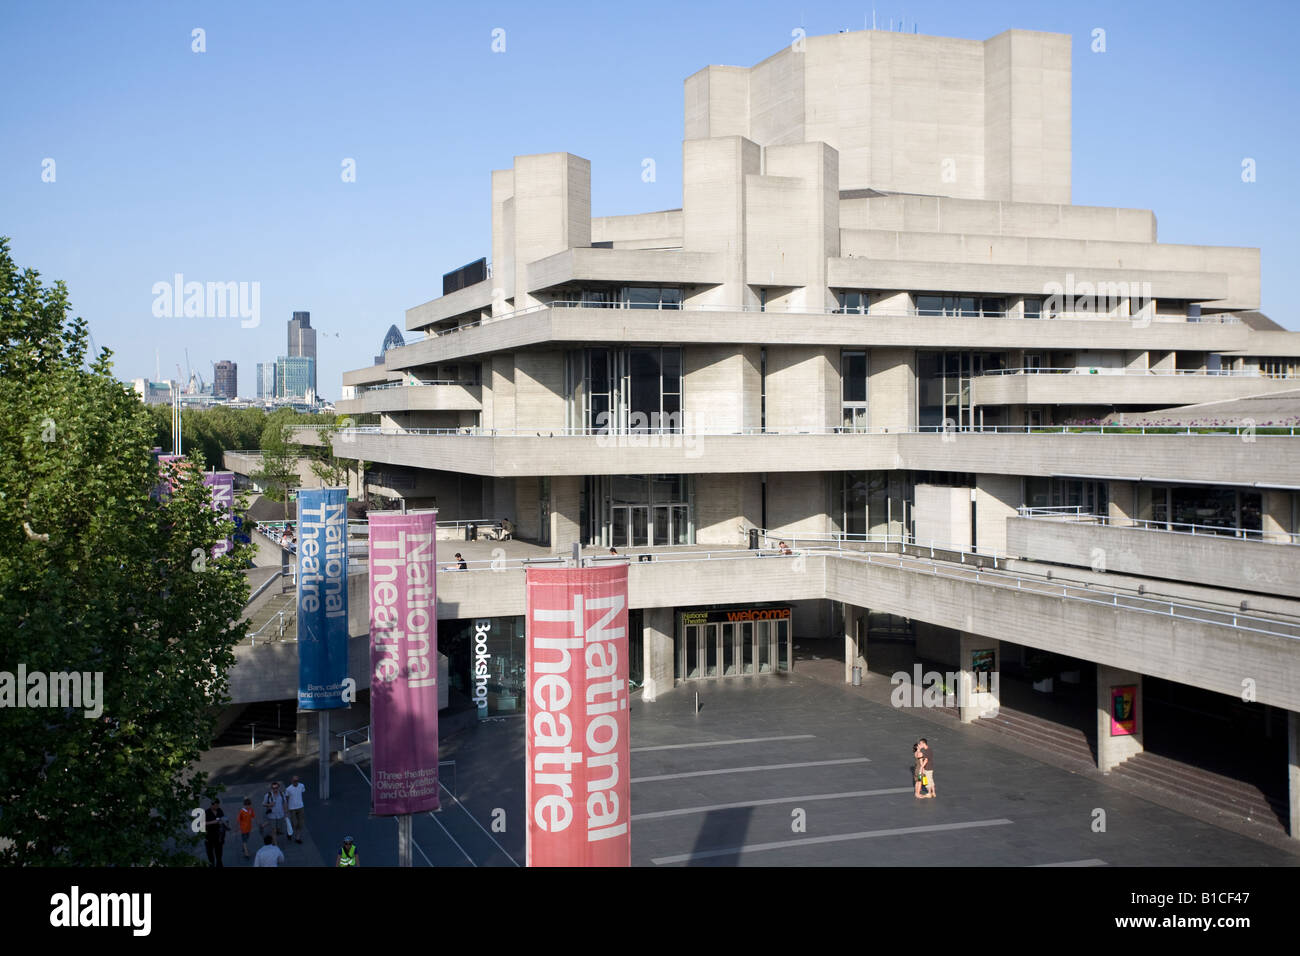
<point x="322" y="597"/>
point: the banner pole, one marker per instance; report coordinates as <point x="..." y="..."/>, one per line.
<point x="404" y="839"/>
<point x="324" y="725"/>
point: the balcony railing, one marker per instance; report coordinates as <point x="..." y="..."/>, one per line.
<point x="1099" y="370"/>
<point x="362" y="389"/>
<point x="801" y="310"/>
<point x="1079" y="515"/>
<point x="1274" y="431"/>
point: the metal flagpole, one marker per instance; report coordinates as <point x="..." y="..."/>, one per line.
<point x="404" y="839"/>
<point x="324" y="726"/>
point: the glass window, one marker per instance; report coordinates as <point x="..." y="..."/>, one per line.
<point x="1033" y="308"/>
<point x="929" y="305"/>
<point x="854" y="301"/>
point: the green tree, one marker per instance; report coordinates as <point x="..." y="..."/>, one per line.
<point x="279" y="471"/>
<point x="101" y="575"/>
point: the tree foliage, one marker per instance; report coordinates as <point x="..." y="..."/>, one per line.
<point x="101" y="574"/>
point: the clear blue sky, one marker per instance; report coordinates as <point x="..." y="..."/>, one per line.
<point x="225" y="165"/>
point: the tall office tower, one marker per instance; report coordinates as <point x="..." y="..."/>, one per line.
<point x="302" y="341"/>
<point x="266" y="380"/>
<point x="878" y="329"/>
<point x="295" y="377"/>
<point x="225" y="380"/>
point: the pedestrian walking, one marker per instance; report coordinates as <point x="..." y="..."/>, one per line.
<point x="275" y="810"/>
<point x="247" y="817"/>
<point x="215" y="825"/>
<point x="270" y="854"/>
<point x="347" y="855"/>
<point x="294" y="793"/>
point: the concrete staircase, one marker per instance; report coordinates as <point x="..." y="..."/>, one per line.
<point x="1070" y="744"/>
<point x="1228" y="795"/>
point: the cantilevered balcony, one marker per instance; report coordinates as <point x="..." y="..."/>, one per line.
<point x="435" y="396"/>
<point x="574" y="322"/>
<point x="1224" y="557"/>
<point x="1263" y="457"/>
<point x="1116" y="386"/>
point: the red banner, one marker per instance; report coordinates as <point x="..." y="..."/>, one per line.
<point x="578" y="765"/>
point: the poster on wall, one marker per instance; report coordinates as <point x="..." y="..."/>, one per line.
<point x="1123" y="710"/>
<point x="403" y="665"/>
<point x="577" y="793"/>
<point x="981" y="662"/>
<point x="322" y="598"/>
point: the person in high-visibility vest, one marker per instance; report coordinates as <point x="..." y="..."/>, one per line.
<point x="347" y="854"/>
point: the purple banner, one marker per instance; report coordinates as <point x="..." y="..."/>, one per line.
<point x="222" y="484"/>
<point x="403" y="665"/>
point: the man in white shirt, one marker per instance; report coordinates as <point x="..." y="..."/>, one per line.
<point x="294" y="793"/>
<point x="270" y="854"/>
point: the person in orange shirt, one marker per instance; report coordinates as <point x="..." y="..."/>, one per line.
<point x="247" y="815"/>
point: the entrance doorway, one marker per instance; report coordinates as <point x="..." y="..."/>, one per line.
<point x="734" y="648"/>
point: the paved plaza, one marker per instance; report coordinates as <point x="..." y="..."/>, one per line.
<point x="772" y="771"/>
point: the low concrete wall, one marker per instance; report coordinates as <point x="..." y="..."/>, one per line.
<point x="1202" y="559"/>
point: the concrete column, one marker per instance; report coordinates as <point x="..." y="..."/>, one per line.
<point x="997" y="498"/>
<point x="566" y="491"/>
<point x="1114" y="750"/>
<point x="1293" y="771"/>
<point x="551" y="201"/>
<point x="855" y="640"/>
<point x="978" y="693"/>
<point x="1123" y="502"/>
<point x="1276" y="515"/>
<point x="657" y="647"/>
<point x="891" y="389"/>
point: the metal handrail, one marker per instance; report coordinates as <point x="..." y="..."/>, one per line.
<point x="1251" y="372"/>
<point x="475" y="431"/>
<point x="363" y="389"/>
<point x="893" y="313"/>
<point x="1172" y="527"/>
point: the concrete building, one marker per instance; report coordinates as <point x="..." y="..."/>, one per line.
<point x="225" y="380"/>
<point x="879" y="330"/>
<point x="302" y="342"/>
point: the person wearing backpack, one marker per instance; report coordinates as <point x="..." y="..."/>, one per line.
<point x="275" y="810"/>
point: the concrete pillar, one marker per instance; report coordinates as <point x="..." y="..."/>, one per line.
<point x="891" y="389"/>
<point x="855" y="640"/>
<point x="657" y="648"/>
<point x="713" y="204"/>
<point x="997" y="498"/>
<point x="1276" y="515"/>
<point x="551" y="201"/>
<point x="527" y="492"/>
<point x="1293" y="771"/>
<point x="978" y="691"/>
<point x="566" y="492"/>
<point x="1114" y="749"/>
<point x="1123" y="502"/>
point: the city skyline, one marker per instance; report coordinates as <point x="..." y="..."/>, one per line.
<point x="331" y="212"/>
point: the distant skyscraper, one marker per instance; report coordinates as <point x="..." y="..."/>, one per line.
<point x="302" y="341"/>
<point x="266" y="380"/>
<point x="391" y="341"/>
<point x="225" y="380"/>
<point x="295" y="376"/>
